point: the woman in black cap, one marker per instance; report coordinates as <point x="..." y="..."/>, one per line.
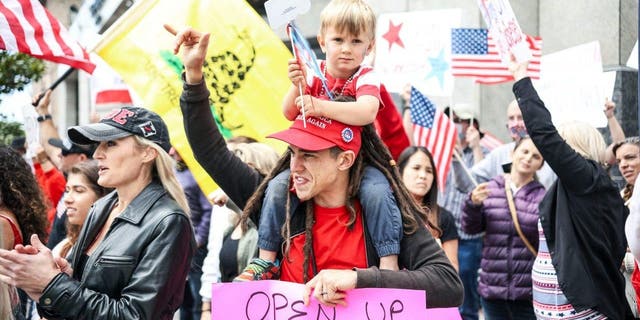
<point x="135" y="248"/>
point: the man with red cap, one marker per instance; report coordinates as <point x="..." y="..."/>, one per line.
<point x="326" y="244"/>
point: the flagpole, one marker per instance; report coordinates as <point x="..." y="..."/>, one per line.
<point x="464" y="166"/>
<point x="455" y="151"/>
<point x="54" y="85"/>
<point x="295" y="56"/>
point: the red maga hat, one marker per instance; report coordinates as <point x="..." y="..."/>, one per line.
<point x="321" y="133"/>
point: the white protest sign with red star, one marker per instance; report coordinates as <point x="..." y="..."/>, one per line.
<point x="393" y="35"/>
<point x="415" y="48"/>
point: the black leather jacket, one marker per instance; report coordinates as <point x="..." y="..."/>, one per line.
<point x="139" y="269"/>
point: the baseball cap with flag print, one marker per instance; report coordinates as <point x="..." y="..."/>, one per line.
<point x="321" y="133"/>
<point x="121" y="123"/>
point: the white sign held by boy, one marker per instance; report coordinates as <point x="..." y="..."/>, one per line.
<point x="280" y="12"/>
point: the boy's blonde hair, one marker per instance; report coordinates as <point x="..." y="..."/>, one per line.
<point x="355" y="16"/>
<point x="584" y="139"/>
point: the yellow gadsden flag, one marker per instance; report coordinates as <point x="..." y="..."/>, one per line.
<point x="246" y="67"/>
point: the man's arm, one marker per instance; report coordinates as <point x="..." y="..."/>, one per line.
<point x="425" y="267"/>
<point x="235" y="177"/>
<point x="47" y="128"/>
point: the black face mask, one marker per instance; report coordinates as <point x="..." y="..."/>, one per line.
<point x="181" y="165"/>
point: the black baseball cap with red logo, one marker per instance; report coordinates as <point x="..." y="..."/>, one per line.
<point x="121" y="123"/>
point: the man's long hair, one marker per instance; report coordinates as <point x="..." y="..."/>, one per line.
<point x="373" y="153"/>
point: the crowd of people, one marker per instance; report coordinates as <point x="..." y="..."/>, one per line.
<point x="110" y="223"/>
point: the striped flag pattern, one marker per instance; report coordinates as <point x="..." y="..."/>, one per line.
<point x="474" y="54"/>
<point x="433" y="130"/>
<point x="490" y="141"/>
<point x="305" y="54"/>
<point x="27" y="27"/>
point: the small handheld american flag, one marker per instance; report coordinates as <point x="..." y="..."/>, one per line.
<point x="435" y="131"/>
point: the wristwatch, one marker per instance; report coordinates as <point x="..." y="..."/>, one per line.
<point x="44" y="117"/>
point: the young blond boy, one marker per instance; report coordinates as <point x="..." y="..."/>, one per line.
<point x="346" y="37"/>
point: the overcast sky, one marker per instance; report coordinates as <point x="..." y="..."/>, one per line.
<point x="13" y="104"/>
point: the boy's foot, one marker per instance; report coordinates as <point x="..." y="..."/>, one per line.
<point x="259" y="269"/>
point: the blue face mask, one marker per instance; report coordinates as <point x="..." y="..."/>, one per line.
<point x="518" y="132"/>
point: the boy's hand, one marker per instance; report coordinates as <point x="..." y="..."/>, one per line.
<point x="297" y="74"/>
<point x="310" y="105"/>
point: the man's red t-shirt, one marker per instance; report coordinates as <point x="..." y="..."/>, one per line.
<point x="334" y="245"/>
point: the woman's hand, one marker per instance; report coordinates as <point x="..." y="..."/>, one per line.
<point x="29" y="268"/>
<point x="329" y="287"/>
<point x="480" y="193"/>
<point x="194" y="46"/>
<point x="518" y="69"/>
<point x="64" y="265"/>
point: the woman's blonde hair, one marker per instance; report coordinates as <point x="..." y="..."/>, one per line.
<point x="258" y="155"/>
<point x="355" y="16"/>
<point x="163" y="170"/>
<point x="584" y="139"/>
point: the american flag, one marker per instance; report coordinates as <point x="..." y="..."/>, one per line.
<point x="433" y="130"/>
<point x="474" y="54"/>
<point x="305" y="54"/>
<point x="27" y="27"/>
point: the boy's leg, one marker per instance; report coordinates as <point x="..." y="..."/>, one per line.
<point x="384" y="220"/>
<point x="272" y="217"/>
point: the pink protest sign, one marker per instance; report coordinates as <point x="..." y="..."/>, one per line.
<point x="273" y="300"/>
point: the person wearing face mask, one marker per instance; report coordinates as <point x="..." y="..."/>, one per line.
<point x="469" y="247"/>
<point x="492" y="165"/>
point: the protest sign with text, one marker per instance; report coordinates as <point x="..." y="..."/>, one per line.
<point x="505" y="30"/>
<point x="274" y="300"/>
<point x="572" y="86"/>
